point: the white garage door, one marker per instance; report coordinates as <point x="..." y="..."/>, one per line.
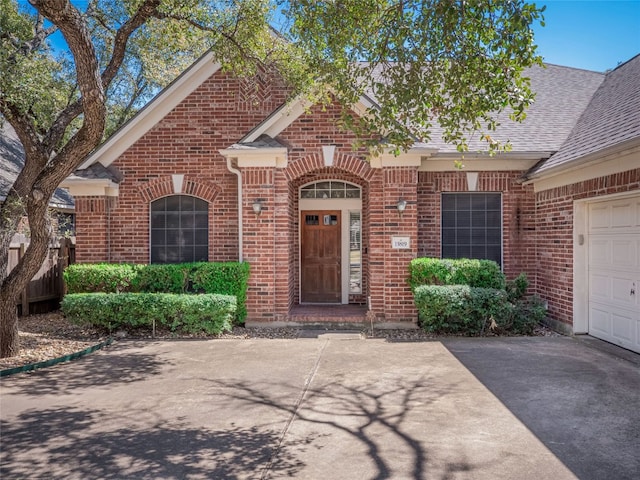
<point x="614" y="271"/>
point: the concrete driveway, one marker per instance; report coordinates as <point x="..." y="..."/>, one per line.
<point x="331" y="407"/>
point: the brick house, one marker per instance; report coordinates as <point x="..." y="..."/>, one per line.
<point x="218" y="168"/>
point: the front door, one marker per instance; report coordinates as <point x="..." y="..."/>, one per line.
<point x="320" y="257"/>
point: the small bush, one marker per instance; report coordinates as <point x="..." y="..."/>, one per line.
<point x="463" y="271"/>
<point x="100" y="277"/>
<point x="517" y="288"/>
<point x="475" y="311"/>
<point x="460" y="308"/>
<point x="526" y="315"/>
<point x="208" y="313"/>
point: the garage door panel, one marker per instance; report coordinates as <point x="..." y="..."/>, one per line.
<point x="600" y="321"/>
<point x="624" y="252"/>
<point x="621" y="291"/>
<point x="600" y="217"/>
<point x="622" y="214"/>
<point x="599" y="251"/>
<point x="599" y="287"/>
<point x="614" y="271"/>
<point x="622" y="326"/>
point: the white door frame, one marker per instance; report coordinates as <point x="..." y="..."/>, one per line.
<point x="345" y="205"/>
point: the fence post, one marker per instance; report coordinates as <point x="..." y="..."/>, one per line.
<point x="25" y="292"/>
<point x="63" y="262"/>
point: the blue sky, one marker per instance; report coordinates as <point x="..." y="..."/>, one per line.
<point x="590" y="34"/>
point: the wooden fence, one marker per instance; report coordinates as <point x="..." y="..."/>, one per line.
<point x="46" y="288"/>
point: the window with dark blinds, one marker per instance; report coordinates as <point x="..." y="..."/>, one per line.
<point x="179" y="230"/>
<point x="472" y="226"/>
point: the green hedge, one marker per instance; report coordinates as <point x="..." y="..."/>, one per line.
<point x="100" y="277"/>
<point x="208" y="313"/>
<point x="460" y="308"/>
<point x="475" y="310"/>
<point x="464" y="271"/>
<point x="229" y="278"/>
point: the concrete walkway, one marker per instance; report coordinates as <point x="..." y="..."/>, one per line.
<point x="331" y="407"/>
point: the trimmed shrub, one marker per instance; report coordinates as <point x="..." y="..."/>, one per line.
<point x="226" y="278"/>
<point x="463" y="271"/>
<point x="230" y="278"/>
<point x="208" y="313"/>
<point x="100" y="277"/>
<point x="163" y="278"/>
<point x="461" y="308"/>
<point x="475" y="311"/>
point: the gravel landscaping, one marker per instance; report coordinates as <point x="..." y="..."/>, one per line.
<point x="47" y="336"/>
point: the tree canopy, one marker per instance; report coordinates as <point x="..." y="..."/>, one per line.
<point x="73" y="71"/>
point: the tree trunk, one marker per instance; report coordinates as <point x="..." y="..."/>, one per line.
<point x="12" y="285"/>
<point x="9" y="340"/>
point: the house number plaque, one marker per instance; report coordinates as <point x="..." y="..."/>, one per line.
<point x="400" y="243"/>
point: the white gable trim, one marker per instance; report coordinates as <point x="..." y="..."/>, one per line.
<point x="281" y="118"/>
<point x="583" y="171"/>
<point x="154" y="111"/>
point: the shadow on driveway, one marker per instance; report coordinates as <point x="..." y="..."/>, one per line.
<point x="582" y="403"/>
<point x="88" y="444"/>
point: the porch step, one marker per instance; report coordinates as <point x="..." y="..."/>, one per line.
<point x="329" y="317"/>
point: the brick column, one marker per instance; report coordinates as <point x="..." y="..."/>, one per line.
<point x="399" y="183"/>
<point x="259" y="245"/>
<point x="92" y="228"/>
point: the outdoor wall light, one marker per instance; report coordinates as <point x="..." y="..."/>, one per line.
<point x="401" y="206"/>
<point x="257" y="206"/>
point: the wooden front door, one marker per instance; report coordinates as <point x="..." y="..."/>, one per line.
<point x="321" y="281"/>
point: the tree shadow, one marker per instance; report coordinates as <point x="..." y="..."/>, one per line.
<point x="374" y="416"/>
<point x="372" y="419"/>
<point x="64" y="443"/>
<point x="88" y="372"/>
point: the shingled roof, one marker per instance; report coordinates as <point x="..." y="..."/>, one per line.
<point x="562" y="94"/>
<point x="611" y="119"/>
<point x="11" y="163"/>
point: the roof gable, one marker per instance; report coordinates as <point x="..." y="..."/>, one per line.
<point x="611" y="119"/>
<point x="154" y="111"/>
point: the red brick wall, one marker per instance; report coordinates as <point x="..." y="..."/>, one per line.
<point x="518" y="216"/>
<point x="220" y="112"/>
<point x="554" y="219"/>
<point x="93" y="230"/>
<point x="398" y="183"/>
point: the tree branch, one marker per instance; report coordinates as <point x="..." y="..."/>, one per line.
<point x="148" y="9"/>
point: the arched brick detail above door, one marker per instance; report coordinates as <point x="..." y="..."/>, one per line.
<point x="343" y="162"/>
<point x="164" y="186"/>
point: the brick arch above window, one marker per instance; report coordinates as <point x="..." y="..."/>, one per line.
<point x="344" y="163"/>
<point x="164" y="186"/>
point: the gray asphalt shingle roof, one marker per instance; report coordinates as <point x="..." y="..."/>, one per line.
<point x="12" y="161"/>
<point x="611" y="118"/>
<point x="562" y="94"/>
<point x="97" y="171"/>
<point x="263" y="141"/>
